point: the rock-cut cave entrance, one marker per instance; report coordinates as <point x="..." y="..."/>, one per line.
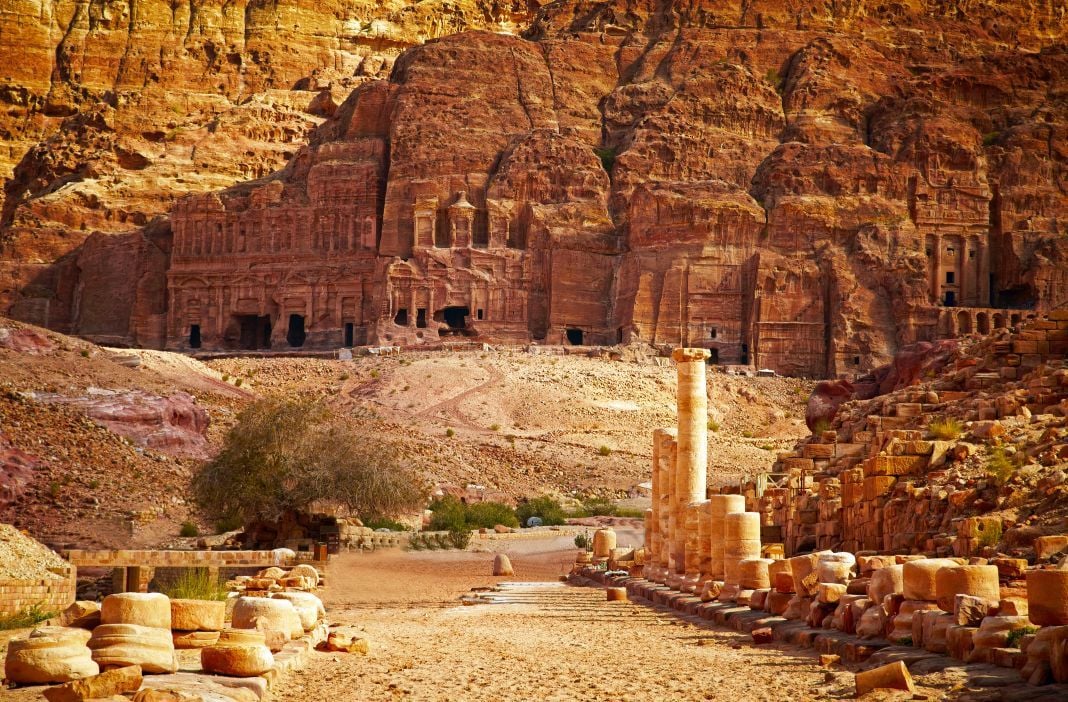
<point x="455" y="319"/>
<point x="575" y="337"/>
<point x="295" y="335"/>
<point x="194" y="336"/>
<point x="255" y="332"/>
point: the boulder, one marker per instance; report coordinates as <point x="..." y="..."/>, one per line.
<point x="197" y="615"/>
<point x="240" y="653"/>
<point x="959" y="642"/>
<point x="830" y="593"/>
<point x="902" y="624"/>
<point x="919" y="578"/>
<point x="50" y="655"/>
<point x="106" y="684"/>
<point x="272" y="573"/>
<point x="347" y="640"/>
<point x="502" y="565"/>
<point x="264" y="613"/>
<point x="970" y="610"/>
<point x="148" y="609"/>
<point x="994" y="631"/>
<point x="117" y="645"/>
<point x="1037" y="670"/>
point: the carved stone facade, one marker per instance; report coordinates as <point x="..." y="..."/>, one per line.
<point x="595" y="188"/>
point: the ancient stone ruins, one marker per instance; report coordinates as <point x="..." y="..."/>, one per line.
<point x="910" y="570"/>
<point x="805" y="189"/>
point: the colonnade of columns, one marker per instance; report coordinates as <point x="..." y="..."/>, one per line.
<point x="694" y="543"/>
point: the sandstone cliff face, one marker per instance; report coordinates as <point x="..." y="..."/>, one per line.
<point x="801" y="186"/>
<point x="111" y="111"/>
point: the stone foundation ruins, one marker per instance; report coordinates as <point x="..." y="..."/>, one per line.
<point x="879" y="540"/>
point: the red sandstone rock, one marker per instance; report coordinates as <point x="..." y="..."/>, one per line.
<point x="763" y="635"/>
<point x="792" y="188"/>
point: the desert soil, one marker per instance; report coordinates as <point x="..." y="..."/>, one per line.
<point x="545" y="640"/>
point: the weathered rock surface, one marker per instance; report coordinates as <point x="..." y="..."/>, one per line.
<point x="805" y="189"/>
<point x="50" y="655"/>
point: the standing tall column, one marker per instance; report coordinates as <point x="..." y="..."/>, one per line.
<point x="653" y="535"/>
<point x="675" y="519"/>
<point x="691" y="469"/>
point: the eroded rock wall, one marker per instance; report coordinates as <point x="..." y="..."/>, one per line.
<point x="806" y="187"/>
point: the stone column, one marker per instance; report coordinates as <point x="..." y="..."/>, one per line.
<point x="675" y="520"/>
<point x="741" y="537"/>
<point x="719" y="507"/>
<point x="653" y="534"/>
<point x="691" y="463"/>
<point x="704" y="541"/>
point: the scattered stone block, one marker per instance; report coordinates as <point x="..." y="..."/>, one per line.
<point x="263" y="613"/>
<point x="149" y="609"/>
<point x="197" y="615"/>
<point x="763" y="635"/>
<point x="976" y="580"/>
<point x="240" y="653"/>
<point x="1047" y="597"/>
<point x="969" y="610"/>
<point x="893" y="676"/>
<point x="347" y="640"/>
<point x="106" y="684"/>
<point x="118" y="645"/>
<point x="616" y="594"/>
<point x="50" y="655"/>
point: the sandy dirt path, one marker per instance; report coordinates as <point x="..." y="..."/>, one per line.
<point x="543" y="641"/>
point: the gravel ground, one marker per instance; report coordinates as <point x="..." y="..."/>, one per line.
<point x="22" y="558"/>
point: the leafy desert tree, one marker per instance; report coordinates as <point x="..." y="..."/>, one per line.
<point x="286" y="454"/>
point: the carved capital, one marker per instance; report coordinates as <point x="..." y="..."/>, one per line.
<point x="687" y="355"/>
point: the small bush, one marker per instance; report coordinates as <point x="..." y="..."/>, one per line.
<point x="486" y="515"/>
<point x="374" y="375"/>
<point x="597" y="507"/>
<point x="459" y="538"/>
<point x="713" y="425"/>
<point x="947" y="429"/>
<point x="991" y="138"/>
<point x="1013" y="640"/>
<point x="449" y="514"/>
<point x="450" y="432"/>
<point x="189" y="529"/>
<point x="85" y="353"/>
<point x="495" y="427"/>
<point x="94" y="484"/>
<point x="442" y="540"/>
<point x="196" y="584"/>
<point x="416" y="543"/>
<point x="773" y="77"/>
<point x="1000" y="466"/>
<point x="229" y="523"/>
<point x="343" y="377"/>
<point x="546" y="508"/>
<point x="239" y="382"/>
<point x="608" y="158"/>
<point x="31" y="616"/>
<point x="226" y="377"/>
<point x="747" y="434"/>
<point x="53" y="489"/>
<point x="991" y="535"/>
<point x="604" y="450"/>
<point x="583" y="540"/>
<point x="906" y="641"/>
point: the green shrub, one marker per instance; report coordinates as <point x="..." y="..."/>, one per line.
<point x="189" y="529"/>
<point x="374" y="374"/>
<point x="230" y="522"/>
<point x="449" y="514"/>
<point x="196" y="584"/>
<point x="85" y="353"/>
<point x="1013" y="640"/>
<point x="822" y="424"/>
<point x="489" y="514"/>
<point x="906" y="641"/>
<point x="495" y="427"/>
<point x="583" y="540"/>
<point x="947" y="429"/>
<point x="450" y="432"/>
<point x="94" y="484"/>
<point x="608" y="158"/>
<point x="239" y="382"/>
<point x="773" y="77"/>
<point x="604" y="450"/>
<point x="1000" y="466"/>
<point x="548" y="509"/>
<point x="31" y="616"/>
<point x="991" y="535"/>
<point x="416" y="543"/>
<point x="597" y="507"/>
<point x="713" y="425"/>
<point x="442" y="540"/>
<point x="991" y="138"/>
<point x="460" y="539"/>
